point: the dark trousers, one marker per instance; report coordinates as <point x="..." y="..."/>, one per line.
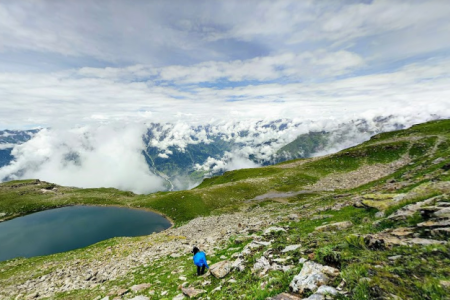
<point x="201" y="270"/>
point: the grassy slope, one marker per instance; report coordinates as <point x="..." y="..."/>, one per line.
<point x="410" y="277"/>
<point x="228" y="190"/>
<point x="305" y="145"/>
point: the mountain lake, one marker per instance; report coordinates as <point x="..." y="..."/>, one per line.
<point x="73" y="227"/>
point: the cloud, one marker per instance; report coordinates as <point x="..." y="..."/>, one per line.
<point x="110" y="155"/>
<point x="189" y="32"/>
<point x="196" y="61"/>
<point x="68" y="98"/>
<point x="4" y="146"/>
<point x="320" y="62"/>
<point x="229" y="162"/>
<point x="102" y="156"/>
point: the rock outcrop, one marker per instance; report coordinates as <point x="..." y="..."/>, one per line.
<point x="335" y="226"/>
<point x="312" y="276"/>
<point x="191" y="292"/>
<point x="220" y="269"/>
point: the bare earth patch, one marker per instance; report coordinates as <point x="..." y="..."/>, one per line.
<point x="353" y="179"/>
<point x="300" y="162"/>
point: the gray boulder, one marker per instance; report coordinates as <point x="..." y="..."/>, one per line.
<point x="140" y="287"/>
<point x="261" y="264"/>
<point x="316" y="297"/>
<point x="284" y="296"/>
<point x="220" y="269"/>
<point x="291" y="248"/>
<point x="191" y="292"/>
<point x="254" y="245"/>
<point x="140" y="298"/>
<point x="335" y="226"/>
<point x="326" y="290"/>
<point x="409" y="210"/>
<point x="178" y="297"/>
<point x="238" y="264"/>
<point x="312" y="276"/>
<point x="271" y="230"/>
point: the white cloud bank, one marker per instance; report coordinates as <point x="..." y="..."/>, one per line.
<point x="103" y="156"/>
<point x="110" y="155"/>
<point x="62" y="98"/>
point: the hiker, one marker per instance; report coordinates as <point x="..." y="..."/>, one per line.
<point x="200" y="261"/>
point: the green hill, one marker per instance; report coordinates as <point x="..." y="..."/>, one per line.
<point x="377" y="256"/>
<point x="305" y="145"/>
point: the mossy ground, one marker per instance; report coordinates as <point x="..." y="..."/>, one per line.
<point x="368" y="274"/>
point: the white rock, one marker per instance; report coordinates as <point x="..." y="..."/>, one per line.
<point x="411" y="209"/>
<point x="261" y="264"/>
<point x="326" y="290"/>
<point x="281" y="260"/>
<point x="140" y="298"/>
<point x="220" y="269"/>
<point x="205" y="283"/>
<point x="254" y="245"/>
<point x="302" y="260"/>
<point x="276" y="267"/>
<point x="380" y="214"/>
<point x="316" y="297"/>
<point x="140" y="287"/>
<point x="216" y="289"/>
<point x="238" y="264"/>
<point x="293" y="216"/>
<point x="312" y="276"/>
<point x="191" y="292"/>
<point x="178" y="297"/>
<point x="291" y="248"/>
<point x="335" y="226"/>
<point x="271" y="230"/>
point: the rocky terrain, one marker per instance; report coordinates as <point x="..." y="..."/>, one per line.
<point x="370" y="222"/>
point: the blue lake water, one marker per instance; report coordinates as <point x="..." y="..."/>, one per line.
<point x="67" y="228"/>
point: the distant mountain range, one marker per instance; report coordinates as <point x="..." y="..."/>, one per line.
<point x="183" y="155"/>
<point x="11" y="138"/>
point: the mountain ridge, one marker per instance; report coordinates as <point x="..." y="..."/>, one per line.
<point x="371" y="212"/>
<point x="180" y="155"/>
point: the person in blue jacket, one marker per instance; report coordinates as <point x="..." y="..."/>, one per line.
<point x="200" y="261"/>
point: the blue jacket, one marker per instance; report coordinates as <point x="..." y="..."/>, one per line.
<point x="200" y="259"/>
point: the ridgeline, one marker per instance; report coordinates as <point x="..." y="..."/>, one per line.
<point x="369" y="222"/>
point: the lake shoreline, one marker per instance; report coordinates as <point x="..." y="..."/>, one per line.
<point x="11" y="217"/>
<point x="108" y="222"/>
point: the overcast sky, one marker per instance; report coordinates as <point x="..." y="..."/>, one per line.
<point x="68" y="63"/>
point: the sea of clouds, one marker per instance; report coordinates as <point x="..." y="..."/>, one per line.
<point x="111" y="155"/>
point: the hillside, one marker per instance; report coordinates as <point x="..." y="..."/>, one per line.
<point x="377" y="215"/>
<point x="178" y="153"/>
